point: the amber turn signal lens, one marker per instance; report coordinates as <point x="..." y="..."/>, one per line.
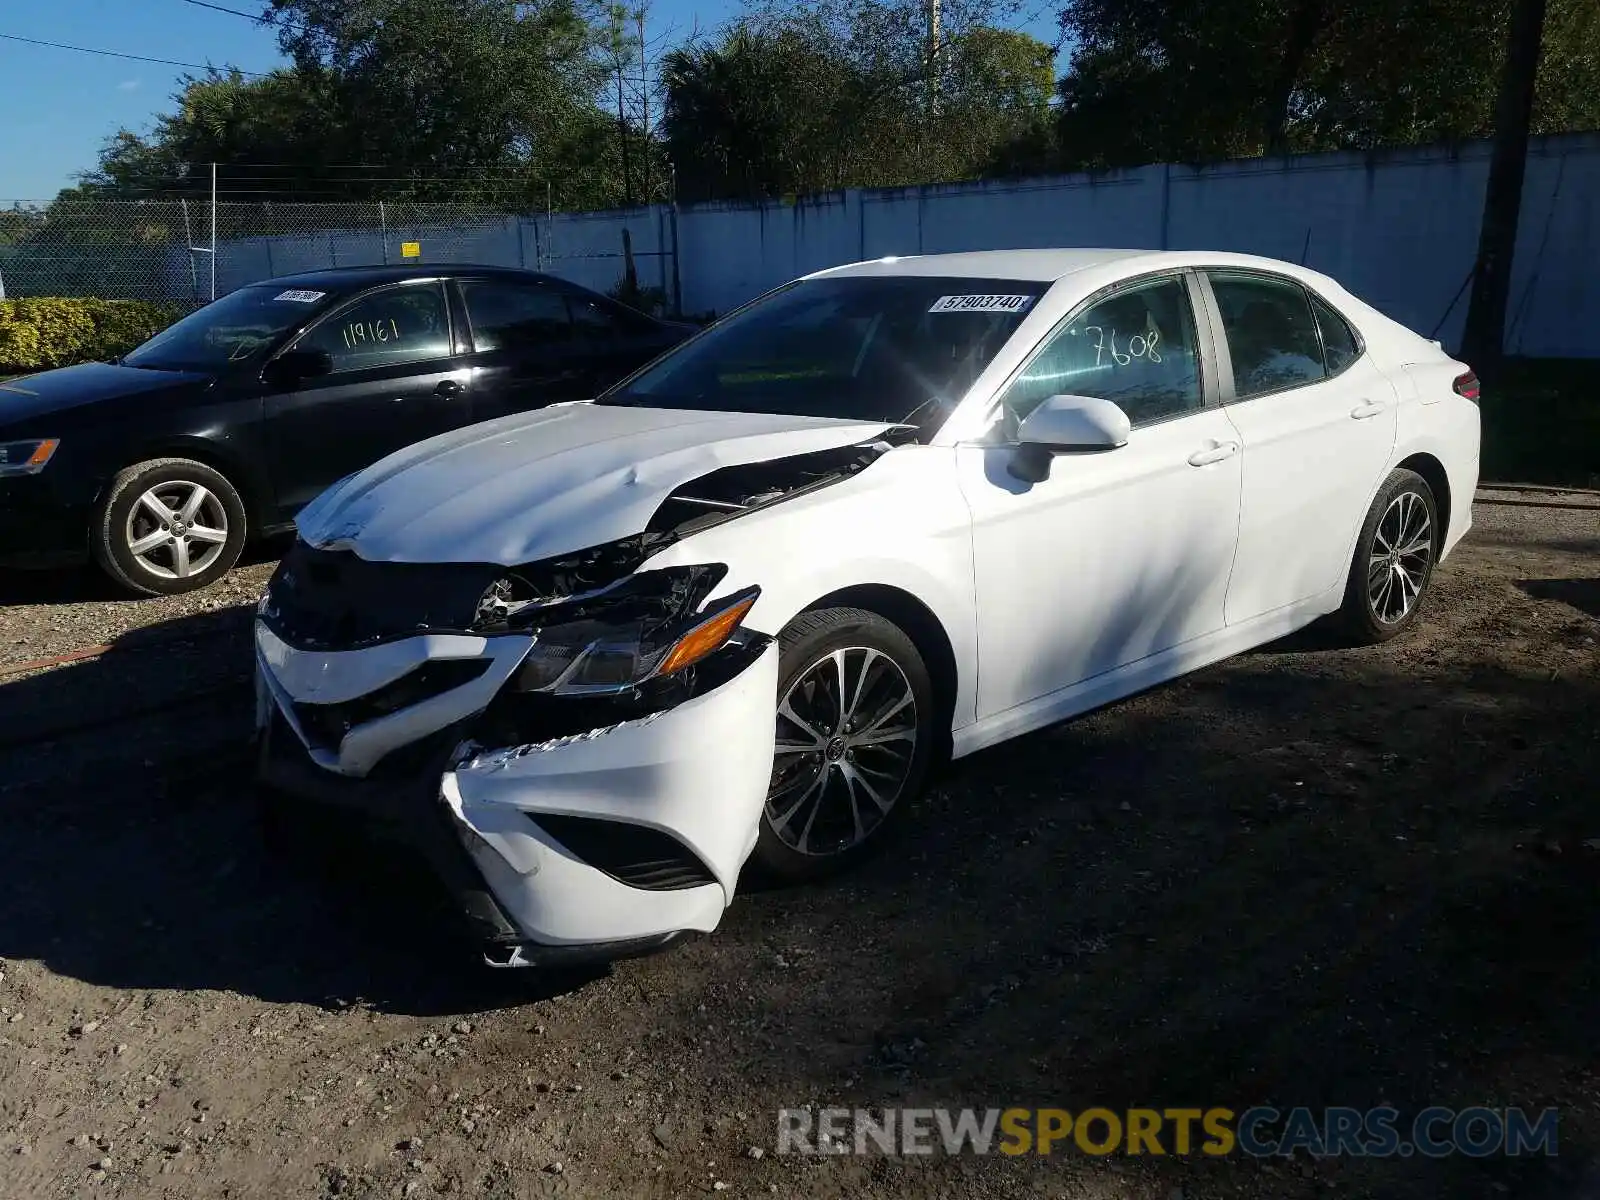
<point x="706" y="637"/>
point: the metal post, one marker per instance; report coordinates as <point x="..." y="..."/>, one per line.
<point x="677" y="281"/>
<point x="383" y="226"/>
<point x="213" y="231"/>
<point x="188" y="242"/>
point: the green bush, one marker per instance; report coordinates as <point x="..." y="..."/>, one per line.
<point x="40" y="333"/>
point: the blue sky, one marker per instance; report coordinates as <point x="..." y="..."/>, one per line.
<point x="62" y="105"/>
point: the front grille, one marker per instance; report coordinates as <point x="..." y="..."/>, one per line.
<point x="326" y="724"/>
<point x="334" y="599"/>
<point x="631" y="854"/>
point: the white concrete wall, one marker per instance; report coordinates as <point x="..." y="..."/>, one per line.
<point x="1399" y="228"/>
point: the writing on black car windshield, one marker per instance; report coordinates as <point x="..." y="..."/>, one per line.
<point x="901" y="348"/>
<point x="231" y="330"/>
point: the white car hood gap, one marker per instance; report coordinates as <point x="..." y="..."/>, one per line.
<point x="536" y="485"/>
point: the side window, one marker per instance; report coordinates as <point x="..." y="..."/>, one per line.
<point x="407" y="323"/>
<point x="1272" y="336"/>
<point x="1339" y="344"/>
<point x="1135" y="348"/>
<point x="514" y="315"/>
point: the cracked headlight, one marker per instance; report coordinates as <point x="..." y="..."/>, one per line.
<point x="598" y="654"/>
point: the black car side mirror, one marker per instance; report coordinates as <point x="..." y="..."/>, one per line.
<point x="294" y="367"/>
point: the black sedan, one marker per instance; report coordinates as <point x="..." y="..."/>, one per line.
<point x="226" y="424"/>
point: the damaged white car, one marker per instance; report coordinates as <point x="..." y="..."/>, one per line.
<point x="592" y="659"/>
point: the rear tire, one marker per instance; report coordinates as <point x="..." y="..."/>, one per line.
<point x="1393" y="562"/>
<point x="845" y="774"/>
<point x="168" y="526"/>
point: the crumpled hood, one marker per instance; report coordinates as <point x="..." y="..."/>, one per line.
<point x="539" y="484"/>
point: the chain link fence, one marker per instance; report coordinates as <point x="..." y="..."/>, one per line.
<point x="189" y="251"/>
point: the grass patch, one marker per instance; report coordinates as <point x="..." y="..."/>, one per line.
<point x="1541" y="422"/>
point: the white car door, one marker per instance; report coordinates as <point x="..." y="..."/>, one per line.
<point x="1119" y="554"/>
<point x="1317" y="420"/>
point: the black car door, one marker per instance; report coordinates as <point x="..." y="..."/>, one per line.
<point x="395" y="380"/>
<point x="523" y="352"/>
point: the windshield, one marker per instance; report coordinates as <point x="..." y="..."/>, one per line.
<point x="234" y="329"/>
<point x="899" y="348"/>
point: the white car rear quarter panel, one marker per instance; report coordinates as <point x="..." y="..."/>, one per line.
<point x="1448" y="427"/>
<point x="901" y="523"/>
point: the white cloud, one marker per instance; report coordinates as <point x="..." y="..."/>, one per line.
<point x="128" y="85"/>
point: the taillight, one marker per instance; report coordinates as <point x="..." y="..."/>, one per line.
<point x="1467" y="386"/>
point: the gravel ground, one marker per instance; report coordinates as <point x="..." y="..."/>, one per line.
<point x="1310" y="875"/>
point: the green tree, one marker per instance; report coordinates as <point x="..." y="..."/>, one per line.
<point x="1161" y="80"/>
<point x="815" y="99"/>
<point x="269" y="135"/>
<point x="475" y="91"/>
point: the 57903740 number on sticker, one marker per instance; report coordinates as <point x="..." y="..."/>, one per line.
<point x="981" y="304"/>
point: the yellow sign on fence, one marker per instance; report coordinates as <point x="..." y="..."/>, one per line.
<point x="410" y="249"/>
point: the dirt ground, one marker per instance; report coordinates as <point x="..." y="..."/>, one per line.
<point x="1311" y="875"/>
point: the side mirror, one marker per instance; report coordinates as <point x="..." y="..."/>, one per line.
<point x="294" y="367"/>
<point x="1066" y="425"/>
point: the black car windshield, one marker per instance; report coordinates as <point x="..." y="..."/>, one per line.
<point x="234" y="329"/>
<point x="867" y="347"/>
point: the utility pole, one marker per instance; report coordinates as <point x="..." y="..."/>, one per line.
<point x="933" y="55"/>
<point x="644" y="104"/>
<point x="619" y="54"/>
<point x="1483" y="342"/>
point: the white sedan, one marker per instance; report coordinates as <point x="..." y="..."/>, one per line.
<point x="592" y="659"/>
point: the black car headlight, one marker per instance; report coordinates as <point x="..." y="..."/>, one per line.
<point x="26" y="458"/>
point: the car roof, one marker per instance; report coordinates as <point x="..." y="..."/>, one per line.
<point x="333" y="279"/>
<point x="1047" y="265"/>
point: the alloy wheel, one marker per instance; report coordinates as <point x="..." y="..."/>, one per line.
<point x="177" y="529"/>
<point x="846" y="738"/>
<point x="1401" y="554"/>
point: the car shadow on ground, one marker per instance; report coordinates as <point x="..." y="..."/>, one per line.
<point x="86" y="583"/>
<point x="1297" y="878"/>
<point x="1581" y="594"/>
<point x="131" y="846"/>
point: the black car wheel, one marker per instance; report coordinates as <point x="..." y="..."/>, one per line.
<point x="1393" y="562"/>
<point x="855" y="738"/>
<point x="168" y="526"/>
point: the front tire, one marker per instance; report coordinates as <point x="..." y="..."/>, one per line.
<point x="855" y="738"/>
<point x="1394" y="558"/>
<point x="168" y="526"/>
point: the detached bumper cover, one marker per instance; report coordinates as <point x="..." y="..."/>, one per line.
<point x="658" y="813"/>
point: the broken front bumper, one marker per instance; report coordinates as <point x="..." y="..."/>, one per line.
<point x="600" y="844"/>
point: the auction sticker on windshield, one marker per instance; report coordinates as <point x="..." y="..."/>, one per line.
<point x="300" y="296"/>
<point x="987" y="304"/>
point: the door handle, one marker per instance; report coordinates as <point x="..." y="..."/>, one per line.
<point x="448" y="388"/>
<point x="1213" y="454"/>
<point x="1368" y="408"/>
